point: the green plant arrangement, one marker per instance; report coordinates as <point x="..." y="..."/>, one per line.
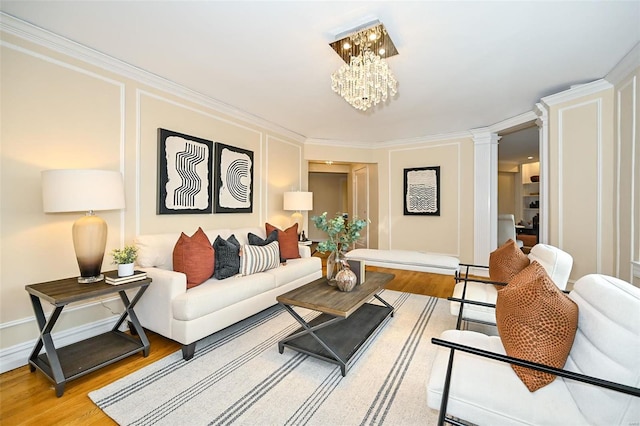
<point x="128" y="254"/>
<point x="342" y="233"/>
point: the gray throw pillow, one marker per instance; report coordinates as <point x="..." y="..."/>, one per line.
<point x="255" y="240"/>
<point x="227" y="254"/>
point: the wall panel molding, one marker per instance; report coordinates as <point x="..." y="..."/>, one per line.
<point x="458" y="146"/>
<point x="631" y="86"/>
<point x="140" y="93"/>
<point x="77" y="51"/>
<point x="599" y="175"/>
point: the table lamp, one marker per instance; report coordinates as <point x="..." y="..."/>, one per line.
<point x="298" y="201"/>
<point x="75" y="190"/>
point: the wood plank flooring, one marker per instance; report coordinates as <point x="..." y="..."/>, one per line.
<point x="29" y="398"/>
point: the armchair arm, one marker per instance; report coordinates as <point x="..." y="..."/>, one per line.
<point x="471" y="302"/>
<point x="630" y="390"/>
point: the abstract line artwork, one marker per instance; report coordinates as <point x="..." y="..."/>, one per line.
<point x="234" y="179"/>
<point x="185" y="173"/>
<point x="422" y="191"/>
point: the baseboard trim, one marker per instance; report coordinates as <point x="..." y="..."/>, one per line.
<point x="18" y="355"/>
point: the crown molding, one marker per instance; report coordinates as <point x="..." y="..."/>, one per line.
<point x="514" y="123"/>
<point x="57" y="43"/>
<point x="626" y="66"/>
<point x="390" y="144"/>
<point x="576" y="92"/>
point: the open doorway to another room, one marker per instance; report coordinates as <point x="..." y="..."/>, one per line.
<point x="350" y="188"/>
<point x="519" y="183"/>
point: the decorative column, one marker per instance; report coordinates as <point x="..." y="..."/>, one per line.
<point x="485" y="194"/>
<point x="543" y="128"/>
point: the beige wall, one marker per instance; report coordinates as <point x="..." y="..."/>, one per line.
<point x="627" y="178"/>
<point x="594" y="190"/>
<point x="451" y="232"/>
<point x="58" y="112"/>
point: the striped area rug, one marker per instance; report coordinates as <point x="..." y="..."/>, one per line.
<point x="237" y="376"/>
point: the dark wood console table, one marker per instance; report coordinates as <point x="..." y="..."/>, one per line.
<point x="61" y="365"/>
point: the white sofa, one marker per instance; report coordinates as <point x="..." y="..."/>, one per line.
<point x="606" y="346"/>
<point x="186" y="316"/>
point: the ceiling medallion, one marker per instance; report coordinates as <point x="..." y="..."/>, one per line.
<point x="365" y="79"/>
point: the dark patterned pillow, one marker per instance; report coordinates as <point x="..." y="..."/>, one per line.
<point x="227" y="253"/>
<point x="256" y="240"/>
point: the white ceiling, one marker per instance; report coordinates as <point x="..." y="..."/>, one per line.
<point x="461" y="65"/>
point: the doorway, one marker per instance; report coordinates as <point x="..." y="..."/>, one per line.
<point x="519" y="182"/>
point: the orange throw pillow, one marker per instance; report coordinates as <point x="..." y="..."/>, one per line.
<point x="288" y="241"/>
<point x="194" y="256"/>
<point x="506" y="261"/>
<point x="536" y="322"/>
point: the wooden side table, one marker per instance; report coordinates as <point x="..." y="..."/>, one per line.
<point x="61" y="365"/>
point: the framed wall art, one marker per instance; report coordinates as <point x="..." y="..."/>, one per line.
<point x="422" y="191"/>
<point x="234" y="179"/>
<point x="185" y="173"/>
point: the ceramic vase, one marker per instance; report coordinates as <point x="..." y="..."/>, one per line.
<point x="346" y="279"/>
<point x="125" y="269"/>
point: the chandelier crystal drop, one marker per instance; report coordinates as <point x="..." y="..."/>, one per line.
<point x="365" y="81"/>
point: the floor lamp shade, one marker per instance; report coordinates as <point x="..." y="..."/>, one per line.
<point x="75" y="190"/>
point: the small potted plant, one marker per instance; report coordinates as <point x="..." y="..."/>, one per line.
<point x="342" y="234"/>
<point x="125" y="259"/>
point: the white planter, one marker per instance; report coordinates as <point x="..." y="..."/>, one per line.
<point x="125" y="269"/>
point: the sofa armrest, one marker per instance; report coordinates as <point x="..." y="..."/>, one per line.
<point x="154" y="309"/>
<point x="305" y="251"/>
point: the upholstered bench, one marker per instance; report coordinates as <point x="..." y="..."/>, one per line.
<point x="409" y="260"/>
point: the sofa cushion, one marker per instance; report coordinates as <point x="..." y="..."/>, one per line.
<point x="256" y="259"/>
<point x="288" y="240"/>
<point x="227" y="257"/>
<point x="194" y="257"/>
<point x="506" y="261"/>
<point x="536" y="322"/>
<point x="556" y="262"/>
<point x="214" y="295"/>
<point x="295" y="269"/>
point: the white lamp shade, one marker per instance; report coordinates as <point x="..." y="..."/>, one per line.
<point x="75" y="190"/>
<point x="298" y="200"/>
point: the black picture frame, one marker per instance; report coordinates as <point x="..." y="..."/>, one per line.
<point x="421" y="194"/>
<point x="185" y="174"/>
<point x="233" y="179"/>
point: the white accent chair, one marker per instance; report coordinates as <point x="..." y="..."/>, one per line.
<point x="481" y="295"/>
<point x="507" y="230"/>
<point x="599" y="384"/>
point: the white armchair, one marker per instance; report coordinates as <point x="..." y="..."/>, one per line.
<point x="471" y="378"/>
<point x="507" y="229"/>
<point x="556" y="262"/>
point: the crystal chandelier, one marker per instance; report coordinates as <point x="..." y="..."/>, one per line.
<point x="366" y="78"/>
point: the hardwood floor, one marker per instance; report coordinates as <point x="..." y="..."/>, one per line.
<point x="29" y="398"/>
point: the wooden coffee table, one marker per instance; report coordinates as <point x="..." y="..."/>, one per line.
<point x="346" y="321"/>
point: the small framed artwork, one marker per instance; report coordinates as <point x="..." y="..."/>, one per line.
<point x="185" y="172"/>
<point x="422" y="191"/>
<point x="234" y="179"/>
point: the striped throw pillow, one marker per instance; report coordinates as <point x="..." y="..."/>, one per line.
<point x="256" y="259"/>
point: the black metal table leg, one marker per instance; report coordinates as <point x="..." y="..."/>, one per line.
<point x="133" y="318"/>
<point x="45" y="340"/>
